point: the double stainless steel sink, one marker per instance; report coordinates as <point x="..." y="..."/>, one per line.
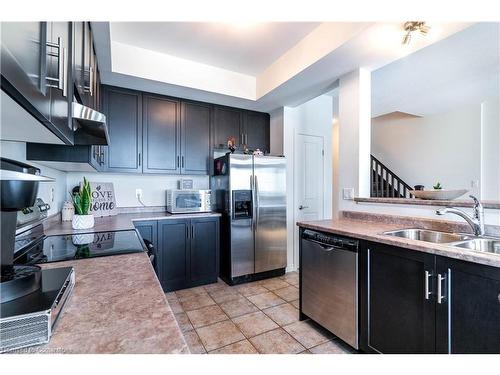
<point x="465" y="241"/>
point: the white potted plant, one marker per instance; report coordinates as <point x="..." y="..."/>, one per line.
<point x="82" y="200"/>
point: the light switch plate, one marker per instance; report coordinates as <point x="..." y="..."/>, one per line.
<point x="348" y="193"/>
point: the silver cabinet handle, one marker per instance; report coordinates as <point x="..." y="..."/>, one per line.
<point x="182" y="161"/>
<point x="65" y="72"/>
<point x="90" y="87"/>
<point x="192" y="231"/>
<point x="301" y="207"/>
<point x="427" y="292"/>
<point x="440" y="296"/>
<point x="60" y="64"/>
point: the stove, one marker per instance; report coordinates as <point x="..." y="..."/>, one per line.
<point x="30" y="319"/>
<point x="48" y="249"/>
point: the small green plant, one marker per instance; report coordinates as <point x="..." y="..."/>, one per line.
<point x="82" y="199"/>
<point x="438" y="186"/>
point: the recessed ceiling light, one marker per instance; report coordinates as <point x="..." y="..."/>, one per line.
<point x="414" y="26"/>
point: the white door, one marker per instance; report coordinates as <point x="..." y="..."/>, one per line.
<point x="308" y="182"/>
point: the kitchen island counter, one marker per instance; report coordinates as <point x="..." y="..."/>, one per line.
<point x="371" y="227"/>
<point x="117" y="306"/>
<point x="121" y="221"/>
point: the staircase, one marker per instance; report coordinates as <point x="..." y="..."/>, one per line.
<point x="385" y="183"/>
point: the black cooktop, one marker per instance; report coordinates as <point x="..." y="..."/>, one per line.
<point x="80" y="246"/>
<point x="51" y="283"/>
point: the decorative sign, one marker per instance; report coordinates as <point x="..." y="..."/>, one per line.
<point x="186" y="184"/>
<point x="103" y="199"/>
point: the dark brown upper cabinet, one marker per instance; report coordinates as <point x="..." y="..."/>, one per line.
<point x="195" y="138"/>
<point x="228" y="122"/>
<point x="35" y="60"/>
<point x="123" y="109"/>
<point x="161" y="135"/>
<point x="256" y="130"/>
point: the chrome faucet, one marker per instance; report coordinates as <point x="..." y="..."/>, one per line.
<point x="476" y="221"/>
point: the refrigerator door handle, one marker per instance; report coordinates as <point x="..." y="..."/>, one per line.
<point x="257" y="202"/>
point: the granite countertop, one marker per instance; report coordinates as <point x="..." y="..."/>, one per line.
<point x="371" y="230"/>
<point x="117" y="306"/>
<point x="121" y="221"/>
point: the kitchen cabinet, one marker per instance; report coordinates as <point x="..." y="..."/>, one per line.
<point x="195" y="138"/>
<point x="256" y="130"/>
<point x="58" y="72"/>
<point x="123" y="110"/>
<point x="396" y="316"/>
<point x="85" y="67"/>
<point x="188" y="252"/>
<point x="161" y="135"/>
<point x="173" y="253"/>
<point x="204" y="251"/>
<point x="468" y="309"/>
<point x="78" y="158"/>
<point x="227" y="123"/>
<point x="148" y="229"/>
<point x="249" y="128"/>
<point x="415" y="302"/>
<point x="35" y="59"/>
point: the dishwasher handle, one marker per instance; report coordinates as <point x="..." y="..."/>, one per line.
<point x="325" y="247"/>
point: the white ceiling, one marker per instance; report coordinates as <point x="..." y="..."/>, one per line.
<point x="461" y="69"/>
<point x="300" y="61"/>
<point x="244" y="48"/>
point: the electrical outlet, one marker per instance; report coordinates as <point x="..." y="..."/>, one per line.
<point x="348" y="193"/>
<point x="52" y="195"/>
<point x="138" y="193"/>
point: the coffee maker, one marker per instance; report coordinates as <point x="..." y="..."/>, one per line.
<point x="18" y="189"/>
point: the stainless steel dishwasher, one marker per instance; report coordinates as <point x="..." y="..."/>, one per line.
<point x="329" y="286"/>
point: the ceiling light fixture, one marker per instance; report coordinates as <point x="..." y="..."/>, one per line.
<point x="413" y="26"/>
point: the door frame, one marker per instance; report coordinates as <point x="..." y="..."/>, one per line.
<point x="295" y="210"/>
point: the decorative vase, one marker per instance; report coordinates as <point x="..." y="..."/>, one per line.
<point x="82" y="221"/>
<point x="82" y="239"/>
<point x="68" y="211"/>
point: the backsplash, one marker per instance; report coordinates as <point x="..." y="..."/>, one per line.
<point x="153" y="186"/>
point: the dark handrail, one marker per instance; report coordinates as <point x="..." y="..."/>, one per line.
<point x="385" y="183"/>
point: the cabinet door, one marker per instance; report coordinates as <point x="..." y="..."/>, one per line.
<point x="256" y="133"/>
<point x="58" y="71"/>
<point x="195" y="138"/>
<point x="87" y="65"/>
<point x="227" y="123"/>
<point x="161" y="138"/>
<point x="173" y="253"/>
<point x="396" y="316"/>
<point x="23" y="51"/>
<point x="123" y="110"/>
<point x="31" y="63"/>
<point x="78" y="53"/>
<point x="204" y="250"/>
<point x="468" y="314"/>
<point x="148" y="229"/>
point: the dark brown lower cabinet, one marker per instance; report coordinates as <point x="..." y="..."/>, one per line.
<point x="415" y="302"/>
<point x="396" y="317"/>
<point x="187" y="250"/>
<point x="468" y="313"/>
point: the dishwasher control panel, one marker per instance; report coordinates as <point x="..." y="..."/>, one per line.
<point x="331" y="240"/>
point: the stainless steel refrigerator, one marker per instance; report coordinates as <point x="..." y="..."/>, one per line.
<point x="250" y="192"/>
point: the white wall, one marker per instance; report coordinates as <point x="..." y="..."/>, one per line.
<point x="490" y="149"/>
<point x="276" y="131"/>
<point x="445" y="147"/>
<point x="354" y="134"/>
<point x="53" y="193"/>
<point x="312" y="118"/>
<point x="153" y="186"/>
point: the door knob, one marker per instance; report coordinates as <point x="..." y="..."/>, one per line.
<point x="302" y="207"/>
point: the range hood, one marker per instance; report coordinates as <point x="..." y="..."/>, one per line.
<point x="90" y="126"/>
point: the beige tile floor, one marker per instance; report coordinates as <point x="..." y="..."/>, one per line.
<point x="258" y="317"/>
